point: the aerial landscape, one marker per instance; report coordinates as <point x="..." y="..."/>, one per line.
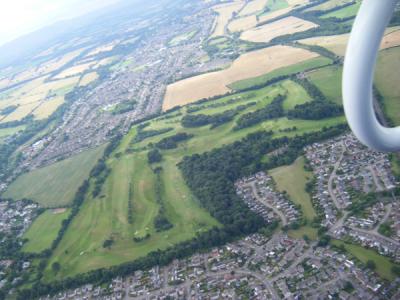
<point x="195" y="149"/>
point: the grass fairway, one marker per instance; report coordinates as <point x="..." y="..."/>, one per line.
<point x="386" y="80"/>
<point x="44" y="230"/>
<point x="106" y="216"/>
<point x="329" y="81"/>
<point x="383" y="264"/>
<point x="293" y="69"/>
<point x="55" y="185"/>
<point x="293" y="179"/>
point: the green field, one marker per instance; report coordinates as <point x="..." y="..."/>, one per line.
<point x="328" y="5"/>
<point x="181" y="38"/>
<point x="329" y="81"/>
<point x="10" y="131"/>
<point x="293" y="179"/>
<point x="43" y="231"/>
<point x="386" y="80"/>
<point x="306" y="65"/>
<point x="346" y="12"/>
<point x="55" y="185"/>
<point x="383" y="264"/>
<point x="273" y="5"/>
<point x="106" y="216"/>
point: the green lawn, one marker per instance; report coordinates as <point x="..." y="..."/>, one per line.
<point x="383" y="264"/>
<point x="302" y="231"/>
<point x="386" y="80"/>
<point x="306" y="65"/>
<point x="329" y="81"/>
<point x="44" y="230"/>
<point x="346" y="12"/>
<point x="293" y="179"/>
<point x="55" y="185"/>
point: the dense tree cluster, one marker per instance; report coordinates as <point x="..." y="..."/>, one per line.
<point x="154" y="156"/>
<point x="271" y="111"/>
<point x="124" y="107"/>
<point x="161" y="222"/>
<point x="315" y="110"/>
<point x="216" y="119"/>
<point x="171" y="142"/>
<point x="8" y="110"/>
<point x="144" y="134"/>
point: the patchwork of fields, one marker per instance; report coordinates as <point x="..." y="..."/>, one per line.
<point x="125" y="210"/>
<point x="268" y="32"/>
<point x="248" y="65"/>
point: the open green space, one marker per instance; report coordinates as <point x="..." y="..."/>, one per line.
<point x="55" y="185"/>
<point x="383" y="264"/>
<point x="182" y="37"/>
<point x="44" y="230"/>
<point x="329" y="81"/>
<point x="386" y="80"/>
<point x="308" y="231"/>
<point x="346" y="12"/>
<point x="327" y="5"/>
<point x="133" y="180"/>
<point x="273" y="5"/>
<point x="4" y="132"/>
<point x="293" y="179"/>
<point x="301" y="67"/>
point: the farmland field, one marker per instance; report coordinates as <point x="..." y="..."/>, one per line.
<point x="181" y="38"/>
<point x="225" y="12"/>
<point x="37" y="97"/>
<point x="55" y="185"/>
<point x="346" y="12"/>
<point x="338" y="43"/>
<point x="243" y="23"/>
<point x="253" y="7"/>
<point x="329" y="81"/>
<point x="88" y="78"/>
<point x="293" y="179"/>
<point x="329" y="5"/>
<point x="106" y="216"/>
<point x="249" y="65"/>
<point x="386" y="80"/>
<point x="44" y="230"/>
<point x="295" y="68"/>
<point x="268" y="32"/>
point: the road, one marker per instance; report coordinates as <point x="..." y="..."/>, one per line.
<point x="275" y="210"/>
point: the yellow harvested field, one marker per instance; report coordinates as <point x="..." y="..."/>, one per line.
<point x="45" y="96"/>
<point x="47" y="107"/>
<point x="242" y="24"/>
<point x="21" y="112"/>
<point x="88" y="78"/>
<point x="106" y="61"/>
<point x="101" y="49"/>
<point x="74" y="70"/>
<point x="248" y="65"/>
<point x="274" y="14"/>
<point x="253" y="7"/>
<point x="225" y="13"/>
<point x="338" y="43"/>
<point x="281" y="27"/>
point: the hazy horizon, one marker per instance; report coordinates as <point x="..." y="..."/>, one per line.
<point x="21" y="17"/>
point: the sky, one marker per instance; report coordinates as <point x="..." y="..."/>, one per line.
<point x="19" y="17"/>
